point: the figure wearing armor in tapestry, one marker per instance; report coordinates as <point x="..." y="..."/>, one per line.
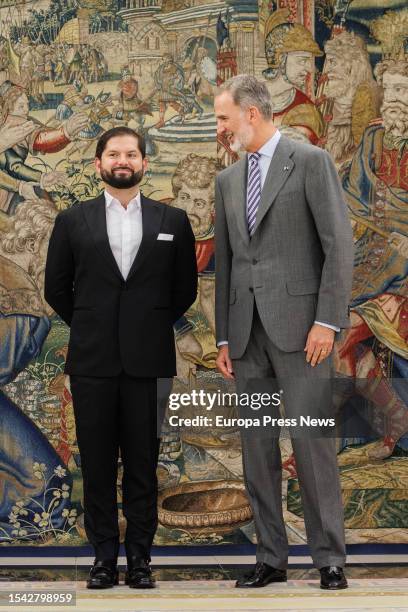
<point x="61" y="67"/>
<point x="77" y="101"/>
<point x="130" y="103"/>
<point x="74" y="97"/>
<point x="201" y="74"/>
<point x="290" y="51"/>
<point x="169" y="80"/>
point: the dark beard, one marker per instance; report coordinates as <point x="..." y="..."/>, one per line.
<point x="122" y="182"/>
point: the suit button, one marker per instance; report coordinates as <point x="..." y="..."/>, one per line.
<point x="254" y="262"/>
<point x="251" y="289"/>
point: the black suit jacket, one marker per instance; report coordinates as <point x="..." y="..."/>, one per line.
<point x="119" y="324"/>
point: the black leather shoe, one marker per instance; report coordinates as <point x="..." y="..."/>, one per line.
<point x="260" y="576"/>
<point x="139" y="574"/>
<point x="103" y="575"/>
<point x="332" y="577"/>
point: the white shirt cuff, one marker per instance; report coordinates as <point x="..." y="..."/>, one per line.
<point x="333" y="327"/>
<point x="336" y="329"/>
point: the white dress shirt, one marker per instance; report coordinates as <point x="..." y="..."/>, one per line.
<point x="125" y="230"/>
<point x="267" y="151"/>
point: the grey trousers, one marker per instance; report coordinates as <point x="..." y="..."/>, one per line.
<point x="303" y="387"/>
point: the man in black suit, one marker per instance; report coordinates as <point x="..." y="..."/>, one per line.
<point x="121" y="269"/>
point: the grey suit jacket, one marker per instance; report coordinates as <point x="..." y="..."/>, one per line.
<point x="298" y="264"/>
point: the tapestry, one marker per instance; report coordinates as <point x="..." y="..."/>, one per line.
<point x="337" y="71"/>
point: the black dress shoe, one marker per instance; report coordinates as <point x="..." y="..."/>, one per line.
<point x="332" y="577"/>
<point x="139" y="574"/>
<point x="260" y="576"/>
<point x="103" y="575"/>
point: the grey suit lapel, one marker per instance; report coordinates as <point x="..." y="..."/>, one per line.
<point x="278" y="173"/>
<point x="239" y="191"/>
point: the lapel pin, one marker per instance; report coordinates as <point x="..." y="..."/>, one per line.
<point x="286" y="167"/>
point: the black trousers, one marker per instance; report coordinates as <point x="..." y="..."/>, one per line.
<point x="112" y="415"/>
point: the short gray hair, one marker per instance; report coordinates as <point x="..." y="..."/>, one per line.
<point x="246" y="90"/>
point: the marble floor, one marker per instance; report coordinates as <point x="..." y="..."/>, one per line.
<point x="210" y="589"/>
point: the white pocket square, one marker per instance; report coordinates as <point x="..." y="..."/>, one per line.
<point x="165" y="237"/>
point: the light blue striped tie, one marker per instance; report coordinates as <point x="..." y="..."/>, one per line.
<point x="253" y="190"/>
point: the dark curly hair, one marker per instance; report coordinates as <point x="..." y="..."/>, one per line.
<point x="195" y="171"/>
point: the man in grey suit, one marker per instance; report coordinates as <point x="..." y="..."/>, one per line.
<point x="284" y="259"/>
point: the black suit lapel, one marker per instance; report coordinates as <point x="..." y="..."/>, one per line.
<point x="151" y="218"/>
<point x="95" y="215"/>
